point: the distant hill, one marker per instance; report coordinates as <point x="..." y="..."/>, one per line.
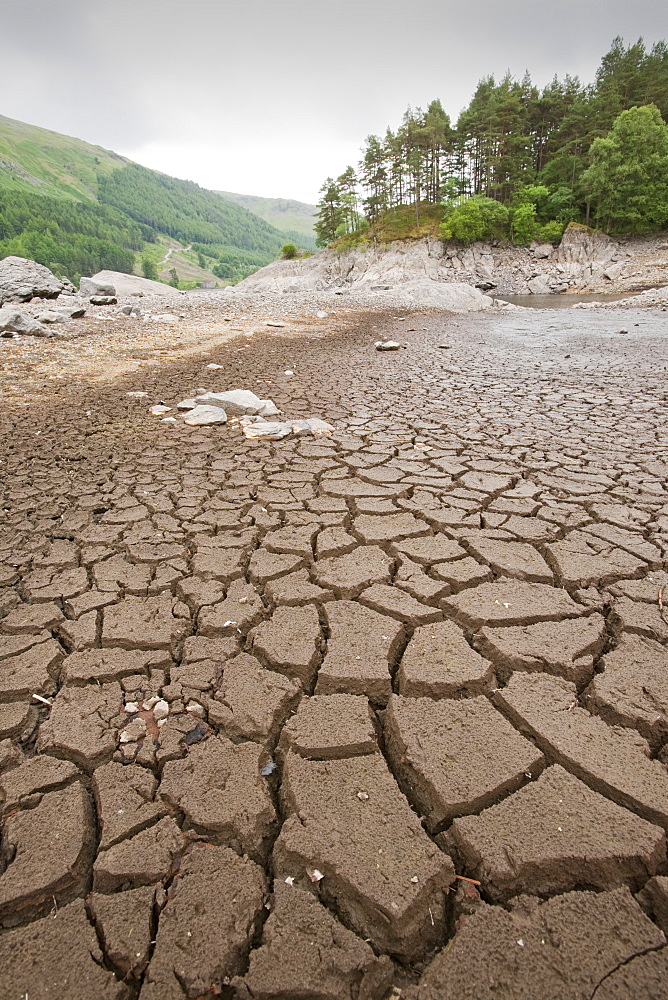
<point x="294" y="218"/>
<point x="79" y="208"/>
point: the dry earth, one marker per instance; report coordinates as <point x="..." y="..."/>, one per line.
<point x="381" y="714"/>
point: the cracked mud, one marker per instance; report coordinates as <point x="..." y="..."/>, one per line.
<point x="380" y="714"/>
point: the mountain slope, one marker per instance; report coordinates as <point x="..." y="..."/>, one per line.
<point x="50" y="163"/>
<point x="294" y="218"/>
<point x="78" y="208"/>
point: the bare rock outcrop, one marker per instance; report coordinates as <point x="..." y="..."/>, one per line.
<point x="22" y="280"/>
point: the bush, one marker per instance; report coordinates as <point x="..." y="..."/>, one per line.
<point x="551" y="232"/>
<point x="524" y="227"/>
<point x="477" y="218"/>
<point x="466" y="224"/>
<point x="289" y="251"/>
<point x="148" y="269"/>
<point x="496" y="217"/>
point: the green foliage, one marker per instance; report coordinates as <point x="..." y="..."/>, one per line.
<point x="57" y="165"/>
<point x="476" y="218"/>
<point x="551" y="232"/>
<point x="232" y="263"/>
<point x="185" y="211"/>
<point x="628" y="176"/>
<point x="173" y="278"/>
<point x="466" y="224"/>
<point x="51" y="187"/>
<point x="538" y="196"/>
<point x="295" y="219"/>
<point x="496" y="217"/>
<point x="148" y="268"/>
<point x="289" y="251"/>
<point x="71" y="238"/>
<point x="513" y="145"/>
<point x="524" y="226"/>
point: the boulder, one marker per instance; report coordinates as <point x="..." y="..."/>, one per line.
<point x="132" y="284"/>
<point x="91" y="287"/>
<point x="22" y="280"/>
<point x="14" y="321"/>
<point x="581" y="245"/>
<point x="539" y="285"/>
<point x="238" y="402"/>
<point x="202" y="415"/>
<point x="542" y="251"/>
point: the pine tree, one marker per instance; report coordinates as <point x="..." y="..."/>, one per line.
<point x="628" y="176"/>
<point x="330" y="213"/>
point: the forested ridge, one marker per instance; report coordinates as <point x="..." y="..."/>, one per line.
<point x="79" y="209"/>
<point x="519" y="163"/>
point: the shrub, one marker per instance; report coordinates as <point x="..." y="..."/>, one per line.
<point x="466" y="224"/>
<point x="478" y="218"/>
<point x="551" y="232"/>
<point x="148" y="269"/>
<point x="289" y="251"/>
<point x="524" y="226"/>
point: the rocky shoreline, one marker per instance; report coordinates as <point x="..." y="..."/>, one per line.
<point x="583" y="262"/>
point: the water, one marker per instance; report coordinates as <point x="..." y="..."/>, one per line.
<point x="563" y="300"/>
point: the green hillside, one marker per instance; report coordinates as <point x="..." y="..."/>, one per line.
<point x="51" y="163"/>
<point x="294" y="218"/>
<point x="78" y="208"/>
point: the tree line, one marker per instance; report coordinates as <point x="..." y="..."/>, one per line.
<point x="69" y="237"/>
<point x="520" y="159"/>
<point x="185" y="211"/>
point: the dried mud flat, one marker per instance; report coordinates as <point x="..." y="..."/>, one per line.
<point x="375" y="715"/>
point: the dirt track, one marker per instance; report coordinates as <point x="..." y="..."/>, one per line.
<point x="383" y="684"/>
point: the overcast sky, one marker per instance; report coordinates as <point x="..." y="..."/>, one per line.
<point x="268" y="97"/>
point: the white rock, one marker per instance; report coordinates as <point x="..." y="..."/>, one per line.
<point x="268" y="429"/>
<point x="387" y="345"/>
<point x="187" y="404"/>
<point x="13" y="320"/>
<point x="131" y="707"/>
<point x="202" y="415"/>
<point x="214" y="366"/>
<point x="91" y="286"/>
<point x="269" y="408"/>
<point x="160" y="709"/>
<point x="136" y="730"/>
<point x="319" y="427"/>
<point x="195" y="709"/>
<point x="22" y="279"/>
<point x="278" y="325"/>
<point x="159" y="409"/>
<point x="321" y="314"/>
<point x="236" y="401"/>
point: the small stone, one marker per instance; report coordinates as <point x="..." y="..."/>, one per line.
<point x="160" y="710"/>
<point x="203" y="415"/>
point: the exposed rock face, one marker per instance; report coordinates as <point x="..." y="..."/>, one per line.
<point x="437" y="276"/>
<point x="132" y="284"/>
<point x="16" y="321"/>
<point x="22" y="280"/>
<point x="90" y="287"/>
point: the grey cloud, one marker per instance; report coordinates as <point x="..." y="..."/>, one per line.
<point x="266" y="93"/>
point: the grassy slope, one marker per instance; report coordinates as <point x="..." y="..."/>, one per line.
<point x="294" y="218"/>
<point x="43" y="162"/>
<point x="52" y="164"/>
